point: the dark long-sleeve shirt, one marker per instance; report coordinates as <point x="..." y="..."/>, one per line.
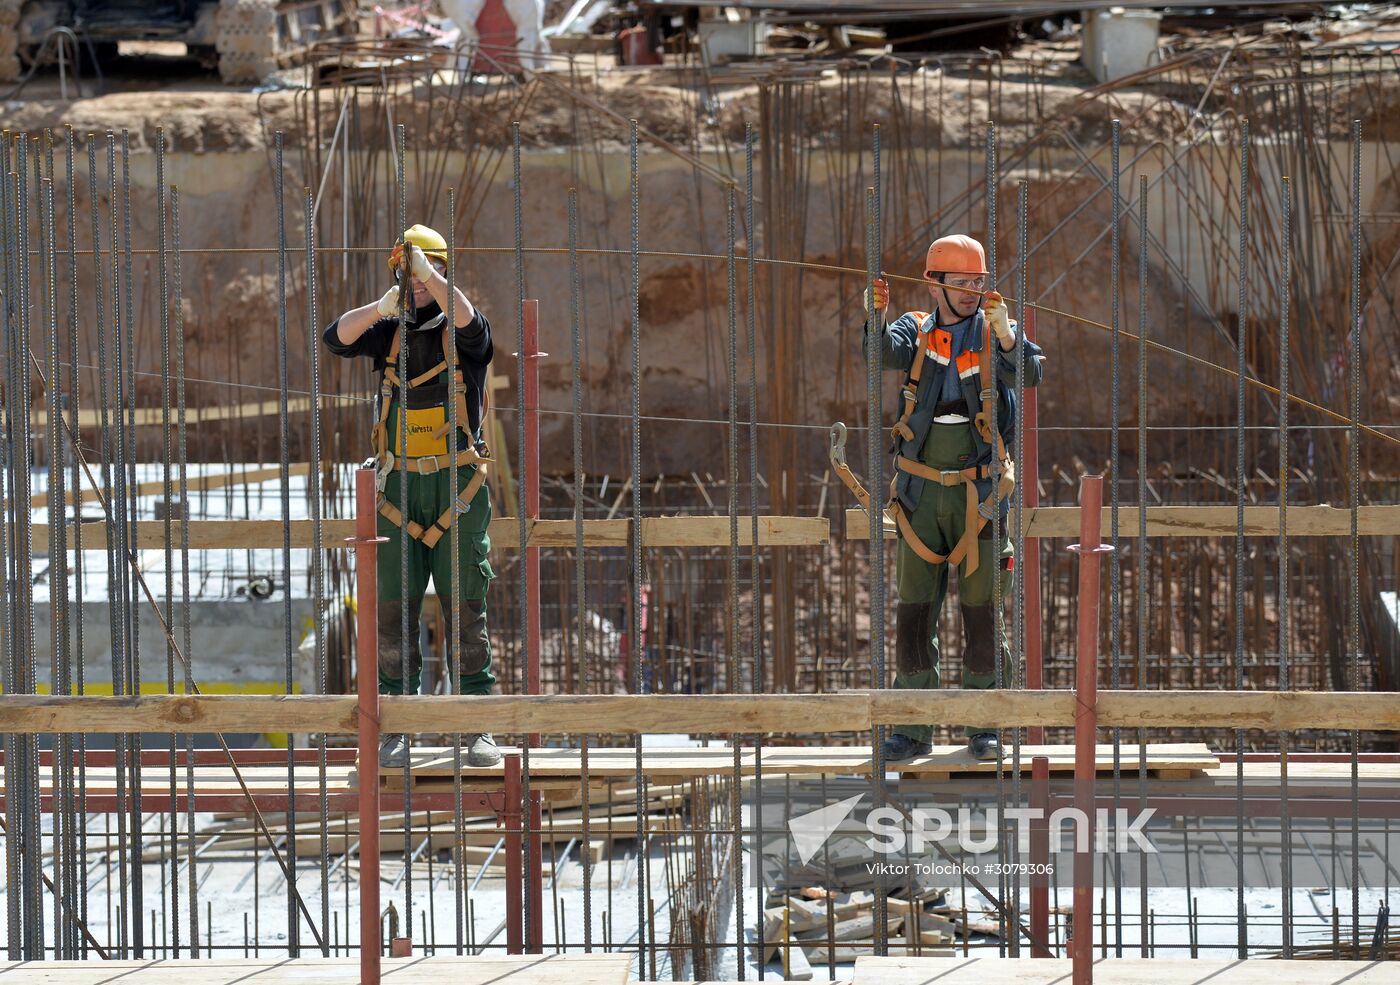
<point x="474" y="350"/>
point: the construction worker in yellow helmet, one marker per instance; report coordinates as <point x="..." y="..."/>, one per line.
<point x="419" y="522"/>
<point x="943" y="497"/>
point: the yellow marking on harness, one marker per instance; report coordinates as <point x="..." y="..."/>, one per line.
<point x="425" y="433"/>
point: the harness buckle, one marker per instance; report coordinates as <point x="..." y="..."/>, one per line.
<point x="419" y="467"/>
<point x="838" y="445"/>
<point x="381" y="479"/>
<point x="950" y="477"/>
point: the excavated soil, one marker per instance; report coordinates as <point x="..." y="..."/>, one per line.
<point x="219" y="142"/>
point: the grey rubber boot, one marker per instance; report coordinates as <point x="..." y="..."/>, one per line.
<point x="481" y="749"/>
<point x="985" y="746"/>
<point x="393" y="751"/>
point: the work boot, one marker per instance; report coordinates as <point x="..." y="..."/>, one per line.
<point x="481" y="749"/>
<point x="393" y="751"/>
<point x="984" y="746"/>
<point x="897" y="748"/>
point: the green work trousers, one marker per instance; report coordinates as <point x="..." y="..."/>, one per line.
<point x="939" y="521"/>
<point x="428" y="497"/>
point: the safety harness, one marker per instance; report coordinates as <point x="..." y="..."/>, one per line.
<point x="978" y="514"/>
<point x="386" y="462"/>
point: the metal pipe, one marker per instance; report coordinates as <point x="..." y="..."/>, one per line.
<point x="1086" y="719"/>
<point x="515" y="916"/>
<point x="367" y="689"/>
<point x="1040" y="857"/>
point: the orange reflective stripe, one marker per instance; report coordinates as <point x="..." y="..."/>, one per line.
<point x="940" y="345"/>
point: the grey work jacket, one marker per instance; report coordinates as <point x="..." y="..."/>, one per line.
<point x="899" y="344"/>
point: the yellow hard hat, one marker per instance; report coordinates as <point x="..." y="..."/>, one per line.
<point x="428" y="240"/>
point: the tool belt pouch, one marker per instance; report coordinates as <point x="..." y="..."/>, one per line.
<point x="426" y="416"/>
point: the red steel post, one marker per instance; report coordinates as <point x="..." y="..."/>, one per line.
<point x="510" y="814"/>
<point x="1040" y="857"/>
<point x="530" y="376"/>
<point x="1086" y="721"/>
<point x="366" y="544"/>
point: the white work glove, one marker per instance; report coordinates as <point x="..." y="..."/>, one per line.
<point x="418" y="264"/>
<point x="389" y="303"/>
<point x="996" y="313"/>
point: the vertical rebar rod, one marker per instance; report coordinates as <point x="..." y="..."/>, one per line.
<point x="316" y="556"/>
<point x="186" y="610"/>
<point x="527" y="488"/>
<point x="1018" y="505"/>
<point x="756" y="673"/>
<point x="76" y="885"/>
<point x="634" y="629"/>
<point x="126" y="341"/>
<point x="103" y="424"/>
<point x="580" y="585"/>
<point x="284" y="455"/>
<point x="454" y="640"/>
<point x="1240" y="369"/>
<point x="57" y="548"/>
<point x="23" y="550"/>
<point x="990" y="191"/>
<point x="10" y="520"/>
<point x="1115" y="575"/>
<point x="168" y="523"/>
<point x="874" y="346"/>
<point x="1143" y="599"/>
<point x="731" y="619"/>
<point x="1354" y="472"/>
<point x="406" y="603"/>
<point x="1284" y="565"/>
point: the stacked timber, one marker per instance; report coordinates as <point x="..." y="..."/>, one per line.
<point x="820" y="926"/>
<point x="612" y="817"/>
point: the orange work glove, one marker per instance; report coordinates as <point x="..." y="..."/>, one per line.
<point x="882" y="296"/>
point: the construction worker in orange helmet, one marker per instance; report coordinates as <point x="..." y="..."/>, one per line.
<point x="417" y="506"/>
<point x="946" y="461"/>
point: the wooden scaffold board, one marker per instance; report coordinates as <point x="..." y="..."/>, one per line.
<point x="1117" y="971"/>
<point x="669" y="765"/>
<point x="538" y="969"/>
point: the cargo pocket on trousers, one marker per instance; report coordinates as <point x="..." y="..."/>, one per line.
<point x="481" y="557"/>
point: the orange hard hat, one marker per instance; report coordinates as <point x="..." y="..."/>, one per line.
<point x="957" y="254"/>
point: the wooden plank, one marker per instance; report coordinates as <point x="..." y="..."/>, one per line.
<point x="1116" y="971"/>
<point x="1280" y="711"/>
<point x="1191" y="521"/>
<point x="250" y="714"/>
<point x="1183" y="758"/>
<point x="537" y="969"/>
<point x="895" y="707"/>
<point x="628" y="714"/>
<point x="714" y="714"/>
<point x="155" y="416"/>
<point x="689" y="761"/>
<point x="195" y="483"/>
<point x="664" y="531"/>
<point x="1272" y="710"/>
